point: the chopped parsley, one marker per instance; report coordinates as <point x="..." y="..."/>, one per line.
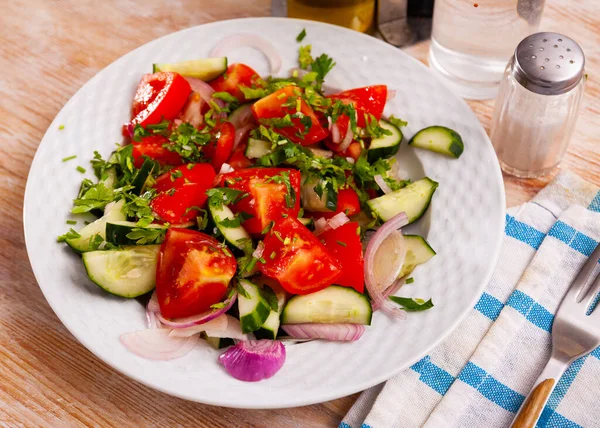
<point x="343" y="244"/>
<point x="147" y="236"/>
<point x="397" y="122"/>
<point x="301" y="35"/>
<point x="81" y="169"/>
<point x="412" y="305"/>
<point x="220" y="196"/>
<point x="270" y="298"/>
<point x="71" y="234"/>
<point x="68" y="158"/>
<point x="304" y="57"/>
<point x="409" y="280"/>
<point x="71" y="222"/>
<point x="61" y="127"/>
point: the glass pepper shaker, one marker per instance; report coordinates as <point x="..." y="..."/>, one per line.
<point x="538" y="103"/>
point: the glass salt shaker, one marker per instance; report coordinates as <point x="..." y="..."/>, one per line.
<point x="538" y="103"/>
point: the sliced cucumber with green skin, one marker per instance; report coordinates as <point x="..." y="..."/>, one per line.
<point x="270" y="327"/>
<point x="332" y="305"/>
<point x="117" y="231"/>
<point x="111" y="178"/>
<point x="112" y="212"/>
<point x="412" y="199"/>
<point x="418" y="251"/>
<point x="204" y="68"/>
<point x="386" y="146"/>
<point x="254" y="309"/>
<point x="439" y="139"/>
<point x="308" y="222"/>
<point x="257" y="148"/>
<point x="141" y="176"/>
<point x="129" y="272"/>
<point x="219" y="342"/>
<point x="233" y="235"/>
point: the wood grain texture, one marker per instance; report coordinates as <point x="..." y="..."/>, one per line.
<point x="48" y="50"/>
<point x="532" y="409"/>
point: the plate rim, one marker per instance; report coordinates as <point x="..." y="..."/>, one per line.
<point x="326" y="396"/>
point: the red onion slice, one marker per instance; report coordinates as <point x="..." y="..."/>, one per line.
<point x="243" y="116"/>
<point x="219" y="323"/>
<point x="157" y="345"/>
<point x="253" y="360"/>
<point x="336" y="332"/>
<point x="382" y="184"/>
<point x="241" y="132"/>
<point x="201" y="88"/>
<point x="335" y="133"/>
<point x="239" y="40"/>
<point x="376" y="289"/>
<point x="260" y="247"/>
<point x="192" y="113"/>
<point x="347" y="140"/>
<point x="225" y="168"/>
<point x="198" y="319"/>
<point x="391" y="94"/>
<point x="233" y="330"/>
<point x="321" y="225"/>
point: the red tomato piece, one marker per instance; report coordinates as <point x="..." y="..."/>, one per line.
<point x="153" y="148"/>
<point x="271" y="107"/>
<point x="353" y="151"/>
<point x="173" y="205"/>
<point x="367" y="100"/>
<point x="344" y="245"/>
<point x="197" y="173"/>
<point x="347" y="203"/>
<point x="297" y="259"/>
<point x="193" y="273"/>
<point x="238" y="159"/>
<point x="219" y="150"/>
<point x="236" y="75"/>
<point x="160" y="96"/>
<point x="267" y="200"/>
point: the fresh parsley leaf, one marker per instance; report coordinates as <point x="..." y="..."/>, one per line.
<point x="322" y="65"/>
<point x="148" y="235"/>
<point x="139" y="206"/>
<point x="96" y="242"/>
<point x="71" y="234"/>
<point x="96" y="196"/>
<point x="254" y="93"/>
<point x="202" y="219"/>
<point x="175" y="174"/>
<point x="397" y="122"/>
<point x="242" y="291"/>
<point x="301" y="35"/>
<point x="412" y="305"/>
<point x="373" y="129"/>
<point x="278" y="122"/>
<point x="227" y="97"/>
<point x="220" y="196"/>
<point x="284" y="178"/>
<point x="234" y="222"/>
<point x="304" y="57"/>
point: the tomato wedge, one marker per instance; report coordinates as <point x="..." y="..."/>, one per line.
<point x="196" y="173"/>
<point x="219" y="150"/>
<point x="238" y="159"/>
<point x="269" y="199"/>
<point x="193" y="273"/>
<point x="297" y="259"/>
<point x="344" y="245"/>
<point x="271" y="107"/>
<point x="367" y="100"/>
<point x="236" y="75"/>
<point x="159" y="96"/>
<point x="153" y="148"/>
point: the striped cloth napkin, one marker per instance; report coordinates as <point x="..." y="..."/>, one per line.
<point x="481" y="374"/>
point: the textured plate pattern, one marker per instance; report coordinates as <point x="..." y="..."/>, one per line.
<point x="464" y="223"/>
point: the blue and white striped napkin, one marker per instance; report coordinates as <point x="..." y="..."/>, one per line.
<point x="481" y="374"/>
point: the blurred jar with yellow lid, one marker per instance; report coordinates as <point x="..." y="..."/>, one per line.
<point x="355" y="14"/>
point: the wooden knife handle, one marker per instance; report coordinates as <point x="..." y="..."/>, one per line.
<point x="532" y="409"/>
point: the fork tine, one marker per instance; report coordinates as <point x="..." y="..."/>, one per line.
<point x="582" y="278"/>
<point x="592" y="292"/>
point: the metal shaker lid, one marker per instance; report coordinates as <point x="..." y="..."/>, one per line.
<point x="548" y="63"/>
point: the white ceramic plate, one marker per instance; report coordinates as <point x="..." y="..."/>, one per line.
<point x="464" y="223"/>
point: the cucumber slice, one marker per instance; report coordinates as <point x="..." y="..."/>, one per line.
<point x="331" y="305"/>
<point x="311" y="201"/>
<point x="218" y="342"/>
<point x="233" y="235"/>
<point x="111" y="178"/>
<point x="129" y="272"/>
<point x="257" y="148"/>
<point x="112" y="212"/>
<point x="204" y="69"/>
<point x="439" y="139"/>
<point x="418" y="252"/>
<point x="254" y="310"/>
<point x="412" y="199"/>
<point x="386" y="146"/>
<point x="116" y="232"/>
<point x="141" y="176"/>
<point x="270" y="327"/>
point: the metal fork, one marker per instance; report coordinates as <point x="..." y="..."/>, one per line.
<point x="574" y="334"/>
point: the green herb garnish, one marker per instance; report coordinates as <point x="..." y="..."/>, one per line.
<point x="412" y="305"/>
<point x="301" y="35"/>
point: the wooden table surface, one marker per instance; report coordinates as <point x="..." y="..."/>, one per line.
<point x="48" y="50"/>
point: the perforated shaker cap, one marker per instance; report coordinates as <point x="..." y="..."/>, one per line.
<point x="548" y="63"/>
